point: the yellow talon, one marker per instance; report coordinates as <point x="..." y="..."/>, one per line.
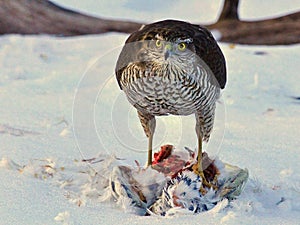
<point x="205" y="183"/>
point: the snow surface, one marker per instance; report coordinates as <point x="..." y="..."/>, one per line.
<point x="59" y="103"/>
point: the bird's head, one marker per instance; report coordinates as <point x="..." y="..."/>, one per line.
<point x="175" y="45"/>
<point x="167" y="48"/>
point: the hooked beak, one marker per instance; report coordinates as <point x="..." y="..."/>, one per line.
<point x="168" y="51"/>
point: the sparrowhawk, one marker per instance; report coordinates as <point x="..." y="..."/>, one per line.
<point x="172" y="67"/>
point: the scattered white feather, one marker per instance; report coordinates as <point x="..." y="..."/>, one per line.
<point x="64" y="218"/>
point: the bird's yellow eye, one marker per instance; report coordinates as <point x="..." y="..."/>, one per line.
<point x="181" y="46"/>
<point x="158" y="43"/>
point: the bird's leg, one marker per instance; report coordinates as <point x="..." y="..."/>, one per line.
<point x="150" y="139"/>
<point x="148" y="122"/>
<point x="198" y="168"/>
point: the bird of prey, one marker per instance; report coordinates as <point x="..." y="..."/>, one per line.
<point x="173" y="67"/>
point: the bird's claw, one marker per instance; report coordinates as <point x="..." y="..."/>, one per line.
<point x="204" y="181"/>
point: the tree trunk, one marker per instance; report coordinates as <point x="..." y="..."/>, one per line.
<point x="44" y="17"/>
<point x="230" y="10"/>
<point x="282" y="30"/>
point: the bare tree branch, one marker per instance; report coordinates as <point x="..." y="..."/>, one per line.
<point x="42" y="16"/>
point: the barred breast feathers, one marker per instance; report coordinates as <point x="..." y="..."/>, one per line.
<point x="157" y="91"/>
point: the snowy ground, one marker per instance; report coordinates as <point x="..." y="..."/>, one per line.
<point x="41" y="114"/>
